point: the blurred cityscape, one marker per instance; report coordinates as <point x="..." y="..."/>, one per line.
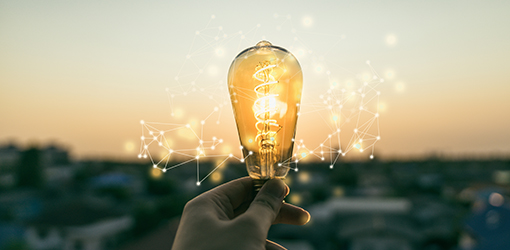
<point x="50" y="201"/>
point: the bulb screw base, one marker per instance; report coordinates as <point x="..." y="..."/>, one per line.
<point x="258" y="183"/>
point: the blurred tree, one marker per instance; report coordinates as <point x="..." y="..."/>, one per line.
<point x="29" y="172"/>
<point x="147" y="219"/>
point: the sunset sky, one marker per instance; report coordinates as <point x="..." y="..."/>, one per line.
<point x="84" y="73"/>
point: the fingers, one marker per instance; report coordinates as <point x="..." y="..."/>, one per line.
<point x="236" y="191"/>
<point x="221" y="201"/>
<point x="273" y="246"/>
<point x="293" y="215"/>
<point x="266" y="205"/>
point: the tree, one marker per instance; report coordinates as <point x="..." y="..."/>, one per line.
<point x="30" y="172"/>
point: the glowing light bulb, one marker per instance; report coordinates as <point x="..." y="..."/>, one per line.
<point x="265" y="84"/>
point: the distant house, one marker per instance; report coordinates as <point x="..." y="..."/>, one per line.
<point x="78" y="225"/>
<point x="54" y="155"/>
<point x="118" y="180"/>
<point x="9" y="156"/>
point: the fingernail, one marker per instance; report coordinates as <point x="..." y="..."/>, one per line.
<point x="276" y="187"/>
<point x="305" y="219"/>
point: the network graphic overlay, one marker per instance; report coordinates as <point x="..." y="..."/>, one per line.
<point x="346" y="105"/>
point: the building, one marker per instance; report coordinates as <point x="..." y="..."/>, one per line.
<point x="82" y="224"/>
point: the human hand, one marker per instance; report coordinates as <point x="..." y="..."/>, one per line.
<point x="228" y="217"/>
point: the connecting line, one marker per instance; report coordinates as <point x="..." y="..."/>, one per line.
<point x="221" y="163"/>
<point x="180" y="164"/>
<point x="335" y="102"/>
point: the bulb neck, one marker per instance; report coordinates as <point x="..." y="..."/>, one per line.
<point x="258" y="183"/>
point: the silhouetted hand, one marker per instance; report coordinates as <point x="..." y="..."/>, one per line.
<point x="227" y="217"/>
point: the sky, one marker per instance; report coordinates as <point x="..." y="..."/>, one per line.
<point x="84" y="73"/>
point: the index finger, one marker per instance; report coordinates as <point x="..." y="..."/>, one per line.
<point x="230" y="195"/>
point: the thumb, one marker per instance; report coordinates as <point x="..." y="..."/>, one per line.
<point x="266" y="205"/>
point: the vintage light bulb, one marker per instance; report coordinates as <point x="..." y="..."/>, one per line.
<point x="265" y="84"/>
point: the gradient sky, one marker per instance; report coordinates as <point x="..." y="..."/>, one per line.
<point x="84" y="73"/>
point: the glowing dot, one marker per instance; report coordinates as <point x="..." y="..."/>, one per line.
<point x="496" y="199"/>
<point x="187" y="125"/>
<point x="154" y="166"/>
<point x="160" y="144"/>
<point x="279" y="164"/>
<point x="400" y="87"/>
<point x="170" y="151"/>
<point x="371" y="156"/>
<point x="377" y="115"/>
<point x="142" y="122"/>
<point x="161" y="132"/>
<point x="139" y="156"/>
<point x="198" y="183"/>
<point x="150" y="132"/>
<point x="230" y="155"/>
<point x="143" y="137"/>
<point x="378" y="138"/>
<point x="197" y="157"/>
<point x="241" y="147"/>
<point x="197" y="32"/>
<point x="295" y="170"/>
<point x="242" y="160"/>
<point x="213" y="147"/>
<point x="307" y="21"/>
<point x="164" y="170"/>
<point x="202" y="122"/>
<point x="144" y="156"/>
<point x="220" y="141"/>
<point x="391" y="40"/>
<point x="343" y="154"/>
<point x="219" y="52"/>
<point x="368" y="61"/>
<point x="322" y="158"/>
<point x="145" y="146"/>
<point x="201" y="142"/>
<point x="331" y="166"/>
<point x="339" y="151"/>
<point x="361" y="150"/>
<point x="215" y="108"/>
<point x="355" y="130"/>
<point x="213" y="16"/>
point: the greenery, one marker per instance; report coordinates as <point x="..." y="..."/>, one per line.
<point x="30" y="171"/>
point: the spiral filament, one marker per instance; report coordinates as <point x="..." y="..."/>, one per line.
<point x="264" y="108"/>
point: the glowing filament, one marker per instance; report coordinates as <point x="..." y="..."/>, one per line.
<point x="264" y="108"/>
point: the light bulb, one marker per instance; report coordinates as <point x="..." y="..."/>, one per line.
<point x="265" y="84"/>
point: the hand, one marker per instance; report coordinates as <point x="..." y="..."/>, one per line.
<point x="227" y="217"/>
